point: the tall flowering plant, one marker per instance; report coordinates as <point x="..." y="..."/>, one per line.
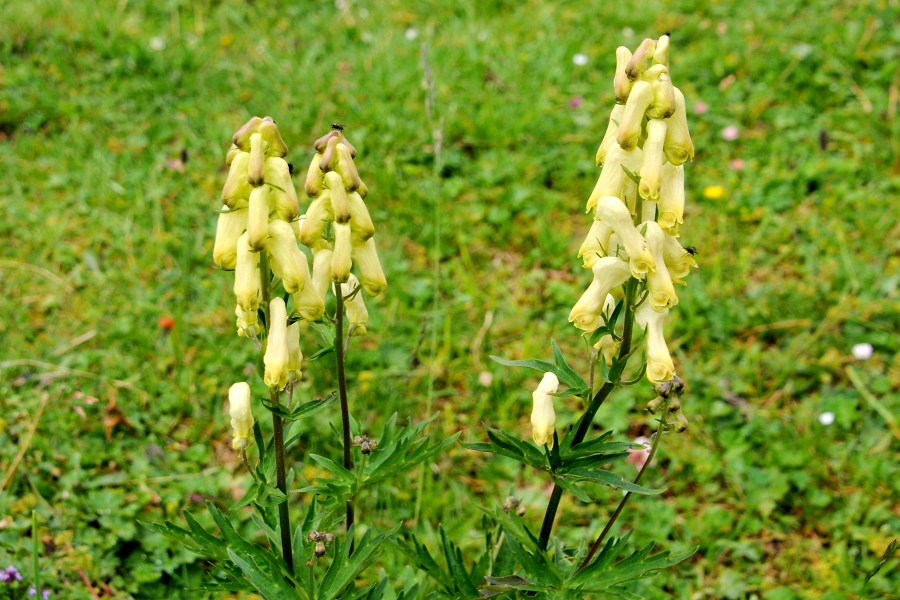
<point x="278" y="297"/>
<point x="635" y="258"/>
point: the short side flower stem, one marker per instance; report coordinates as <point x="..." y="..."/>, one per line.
<point x="596" y="545"/>
<point x="588" y="417"/>
<point x="342" y="388"/>
<point x="284" y="515"/>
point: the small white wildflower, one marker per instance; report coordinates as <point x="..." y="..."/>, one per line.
<point x="485" y="378"/>
<point x="580" y="59"/>
<point x="157" y="44"/>
<point x="862" y="351"/>
<point x="826" y="418"/>
<point x="411" y="34"/>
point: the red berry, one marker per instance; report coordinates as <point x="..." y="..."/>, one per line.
<point x="166" y="323"/>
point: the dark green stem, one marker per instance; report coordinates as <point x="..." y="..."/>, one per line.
<point x="588" y="417"/>
<point x="342" y="388"/>
<point x="284" y="515"/>
<point x="618" y="511"/>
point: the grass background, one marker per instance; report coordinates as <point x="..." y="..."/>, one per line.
<point x="104" y="230"/>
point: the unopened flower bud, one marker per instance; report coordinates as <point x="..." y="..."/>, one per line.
<point x="681" y="422"/>
<point x="320" y="549"/>
<point x="329" y="538"/>
<point x="543" y="418"/>
<point x="664" y="389"/>
<point x="258" y="218"/>
<point x="268" y="131"/>
<point x="674" y="404"/>
<point x="364" y="448"/>
<point x="276" y="356"/>
<point x="371" y="275"/>
<point x="679" y="384"/>
<point x="654" y="405"/>
<point x="313" y="535"/>
<point x="521" y="510"/>
<point x="255" y="174"/>
<point x="510" y="503"/>
<point x="357" y="440"/>
<point x="241" y="138"/>
<point x="241" y="416"/>
<point x="231" y="225"/>
<point x="612" y="130"/>
<point x="611" y="211"/>
<point x="341" y="259"/>
<point x="661" y="54"/>
<point x="638" y="62"/>
<point x="622" y="84"/>
<point x="313" y="184"/>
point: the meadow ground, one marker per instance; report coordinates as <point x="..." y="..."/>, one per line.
<point x="114" y="121"/>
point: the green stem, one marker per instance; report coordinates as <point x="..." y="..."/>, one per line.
<point x="588" y="417"/>
<point x="284" y="515"/>
<point x="342" y="388"/>
<point x="35" y="554"/>
<point x="618" y="511"/>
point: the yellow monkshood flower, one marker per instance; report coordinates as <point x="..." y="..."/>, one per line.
<point x="543" y="419"/>
<point x="276" y="358"/>
<point x="614" y="213"/>
<point x="609" y="272"/>
<point x="241" y="416"/>
<point x="659" y="282"/>
<point x="659" y="363"/>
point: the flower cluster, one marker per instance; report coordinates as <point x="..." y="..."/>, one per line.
<point x="260" y="219"/>
<point x="638" y="204"/>
<point x="337" y="193"/>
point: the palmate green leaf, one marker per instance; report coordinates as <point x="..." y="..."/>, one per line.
<point x="535" y="565"/>
<point x="342" y="475"/>
<point x="576" y="383"/>
<point x="253" y="555"/>
<point x="344" y="567"/>
<point x="603" y="572"/>
<point x="507" y="445"/>
<point x="607" y="478"/>
<point x="400" y="449"/>
<point x="514" y="526"/>
<point x="457" y="568"/>
<point x="308" y="409"/>
<point x="272" y="586"/>
<point x="421" y="558"/>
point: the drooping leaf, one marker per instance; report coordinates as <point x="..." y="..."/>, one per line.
<point x="543" y="366"/>
<point x="272" y="586"/>
<point x="607" y="478"/>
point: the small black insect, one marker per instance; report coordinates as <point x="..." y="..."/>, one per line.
<point x="691" y="250"/>
<point x="337" y="127"/>
<point x="184" y="156"/>
<point x="291" y="168"/>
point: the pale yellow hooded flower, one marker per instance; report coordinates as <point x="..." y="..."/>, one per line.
<point x="659" y="282"/>
<point x="659" y="363"/>
<point x="241" y="415"/>
<point x="609" y="272"/>
<point x="543" y="419"/>
<point x="614" y="213"/>
<point x="276" y="358"/>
